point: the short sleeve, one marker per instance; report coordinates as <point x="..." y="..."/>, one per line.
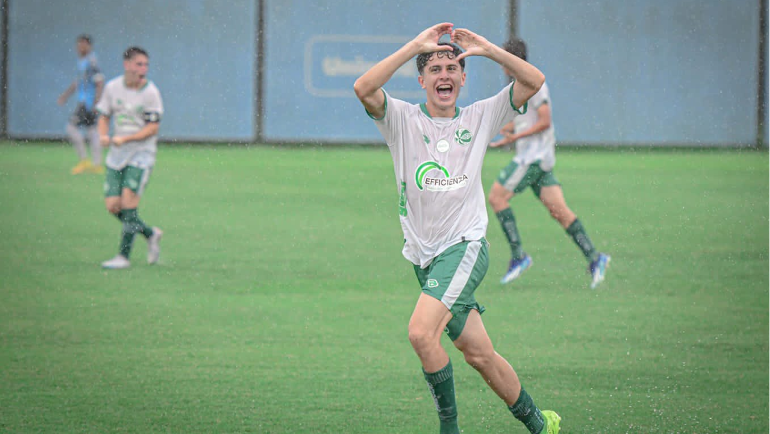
<point x="154" y="105"/>
<point x="104" y="106"/>
<point x="521" y="110"/>
<point x="392" y="122"/>
<point x="93" y="72"/>
<point x="541" y="97"/>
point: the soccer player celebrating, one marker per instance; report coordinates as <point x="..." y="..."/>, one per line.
<point x="438" y="150"/>
<point x="136" y="105"/>
<point x="89" y="85"/>
<point x="532" y="167"/>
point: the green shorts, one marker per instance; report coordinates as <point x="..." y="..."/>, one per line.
<point x="516" y="178"/>
<point x="133" y="178"/>
<point x="453" y="277"/>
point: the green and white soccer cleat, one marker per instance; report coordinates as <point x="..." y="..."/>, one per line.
<point x="552" y="422"/>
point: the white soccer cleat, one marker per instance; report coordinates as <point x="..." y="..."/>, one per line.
<point x="153" y="246"/>
<point x="116" y="263"/>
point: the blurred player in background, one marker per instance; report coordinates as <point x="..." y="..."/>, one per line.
<point x="438" y="150"/>
<point x="533" y="133"/>
<point x="89" y="85"/>
<point x="135" y="104"/>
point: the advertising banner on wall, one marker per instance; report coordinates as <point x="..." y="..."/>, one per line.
<point x="314" y="54"/>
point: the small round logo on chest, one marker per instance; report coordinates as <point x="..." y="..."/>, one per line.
<point x="442" y="145"/>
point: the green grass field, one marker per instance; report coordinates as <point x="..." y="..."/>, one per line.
<point x="282" y="299"/>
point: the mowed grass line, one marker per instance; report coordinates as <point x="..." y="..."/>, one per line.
<point x="281" y="302"/>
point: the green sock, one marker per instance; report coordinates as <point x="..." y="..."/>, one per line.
<point x="508" y="222"/>
<point x="132" y="225"/>
<point x="442" y="387"/>
<point x="132" y="216"/>
<point x="525" y="410"/>
<point x="579" y="236"/>
<point x="126" y="241"/>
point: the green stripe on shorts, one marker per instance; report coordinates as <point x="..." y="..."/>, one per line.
<point x="452" y="278"/>
<point x="516" y="178"/>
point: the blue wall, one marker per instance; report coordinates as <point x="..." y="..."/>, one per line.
<point x="658" y="71"/>
<point x="767" y="78"/>
<point x="201" y="58"/>
<point x="653" y="71"/>
<point x="2" y="88"/>
<point x="316" y="50"/>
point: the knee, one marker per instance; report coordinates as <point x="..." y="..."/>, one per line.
<point x="555" y="213"/>
<point x="114" y="209"/>
<point x="492" y="199"/>
<point x="420" y="338"/>
<point x="479" y="360"/>
<point x="497" y="201"/>
<point x="563" y="215"/>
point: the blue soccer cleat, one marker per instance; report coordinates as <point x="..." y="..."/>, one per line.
<point x="517" y="267"/>
<point x="598" y="268"/>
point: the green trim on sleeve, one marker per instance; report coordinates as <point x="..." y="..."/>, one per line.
<point x="386" y="107"/>
<point x="521" y="110"/>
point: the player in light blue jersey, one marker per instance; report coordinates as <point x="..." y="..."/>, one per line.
<point x="88" y="85"/>
<point x="438" y="150"/>
<point x="532" y="167"/>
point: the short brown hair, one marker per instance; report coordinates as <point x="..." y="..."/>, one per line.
<point x="133" y="51"/>
<point x="423" y="58"/>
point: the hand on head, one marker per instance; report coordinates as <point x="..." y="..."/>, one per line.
<point x="471" y="43"/>
<point x="428" y="39"/>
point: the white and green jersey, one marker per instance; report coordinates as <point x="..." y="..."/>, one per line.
<point x="438" y="162"/>
<point x="131" y="109"/>
<point x="540" y="146"/>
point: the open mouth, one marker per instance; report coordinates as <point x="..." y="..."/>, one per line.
<point x="444" y="90"/>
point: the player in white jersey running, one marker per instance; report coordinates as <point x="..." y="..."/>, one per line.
<point x="438" y="150"/>
<point x="532" y="167"/>
<point x="136" y="107"/>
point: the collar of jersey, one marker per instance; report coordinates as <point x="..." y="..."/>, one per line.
<point x="424" y="109"/>
<point x="146" y="83"/>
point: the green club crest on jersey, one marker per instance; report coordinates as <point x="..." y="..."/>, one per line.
<point x="463" y="136"/>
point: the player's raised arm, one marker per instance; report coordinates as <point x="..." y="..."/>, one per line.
<point x="528" y="78"/>
<point x="368" y="86"/>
